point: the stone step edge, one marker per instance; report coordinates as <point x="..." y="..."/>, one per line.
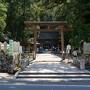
<point x="53" y="77"/>
<point x="53" y="80"/>
<point x="35" y="73"/>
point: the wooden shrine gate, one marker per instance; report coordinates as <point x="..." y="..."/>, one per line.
<point x="48" y="25"/>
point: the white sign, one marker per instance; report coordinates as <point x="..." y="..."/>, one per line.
<point x="20" y="49"/>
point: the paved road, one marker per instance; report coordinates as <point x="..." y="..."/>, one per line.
<point x="44" y="87"/>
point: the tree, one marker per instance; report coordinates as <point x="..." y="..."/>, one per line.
<point x="48" y="10"/>
<point x="76" y="13"/>
<point x="78" y="17"/>
<point x="3" y="10"/>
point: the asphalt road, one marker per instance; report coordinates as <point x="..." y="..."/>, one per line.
<point x="44" y="87"/>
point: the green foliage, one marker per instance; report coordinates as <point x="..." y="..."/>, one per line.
<point x="75" y="12"/>
<point x="78" y="17"/>
<point x="3" y="10"/>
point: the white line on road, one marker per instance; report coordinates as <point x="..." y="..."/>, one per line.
<point x="43" y="85"/>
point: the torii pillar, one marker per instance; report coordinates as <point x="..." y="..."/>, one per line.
<point x="35" y="39"/>
<point x="62" y="38"/>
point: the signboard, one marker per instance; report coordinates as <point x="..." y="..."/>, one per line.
<point x="7" y="48"/>
<point x="10" y="47"/>
<point x="86" y="48"/>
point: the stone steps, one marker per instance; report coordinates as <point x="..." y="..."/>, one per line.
<point x="53" y="76"/>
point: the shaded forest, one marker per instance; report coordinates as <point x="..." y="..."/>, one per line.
<point x="13" y="13"/>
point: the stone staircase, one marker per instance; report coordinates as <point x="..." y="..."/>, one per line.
<point x="48" y="68"/>
<point x="33" y="76"/>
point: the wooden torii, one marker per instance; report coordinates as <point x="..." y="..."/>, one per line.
<point x="51" y="25"/>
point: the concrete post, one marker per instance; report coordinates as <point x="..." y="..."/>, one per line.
<point x="82" y="63"/>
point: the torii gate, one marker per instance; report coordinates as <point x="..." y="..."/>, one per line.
<point x="55" y="25"/>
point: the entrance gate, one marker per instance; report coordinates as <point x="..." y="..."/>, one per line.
<point x="37" y="26"/>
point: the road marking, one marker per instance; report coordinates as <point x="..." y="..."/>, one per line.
<point x="43" y="85"/>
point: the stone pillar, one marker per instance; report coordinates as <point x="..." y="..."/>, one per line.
<point x="62" y="39"/>
<point x="82" y="63"/>
<point x="35" y="39"/>
<point x="49" y="29"/>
